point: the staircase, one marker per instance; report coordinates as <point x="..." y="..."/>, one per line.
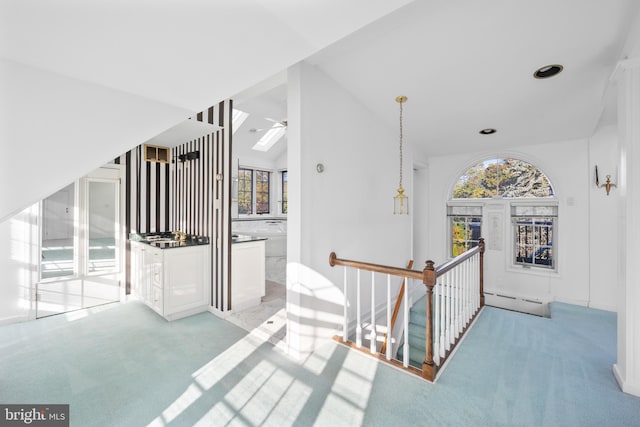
<point x="435" y="323"/>
<point x="417" y="334"/>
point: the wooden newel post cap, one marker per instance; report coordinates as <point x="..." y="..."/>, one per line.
<point x="429" y="265"/>
<point x="332" y="259"/>
<point x="481" y="244"/>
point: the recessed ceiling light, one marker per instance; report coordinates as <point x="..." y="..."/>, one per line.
<point x="548" y="71"/>
<point x="487" y="131"/>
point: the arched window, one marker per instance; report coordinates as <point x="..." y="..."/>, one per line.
<point x="529" y="195"/>
<point x="502" y="178"/>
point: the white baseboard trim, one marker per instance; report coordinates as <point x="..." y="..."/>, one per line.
<point x="625" y="386"/>
<point x="218" y="313"/>
<point x="580" y="302"/>
<point x="13" y="319"/>
<point x="605" y="307"/>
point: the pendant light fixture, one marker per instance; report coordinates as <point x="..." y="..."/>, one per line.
<point x="400" y="200"/>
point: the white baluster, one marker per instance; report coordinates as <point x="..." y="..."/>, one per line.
<point x="442" y="318"/>
<point x="389" y="337"/>
<point x="345" y="316"/>
<point x="436" y="325"/>
<point x="373" y="336"/>
<point x="405" y="349"/>
<point x="476" y="281"/>
<point x="466" y="291"/>
<point x="456" y="302"/>
<point x="358" y="324"/>
<point x="450" y="313"/>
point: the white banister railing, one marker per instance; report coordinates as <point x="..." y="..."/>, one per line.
<point x="454" y="297"/>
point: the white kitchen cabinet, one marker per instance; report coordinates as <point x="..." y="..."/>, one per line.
<point x="173" y="282"/>
<point x="247" y="274"/>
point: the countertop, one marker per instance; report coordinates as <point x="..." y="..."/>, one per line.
<point x="239" y="238"/>
<point x="167" y="240"/>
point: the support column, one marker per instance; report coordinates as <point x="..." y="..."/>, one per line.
<point x="627" y="367"/>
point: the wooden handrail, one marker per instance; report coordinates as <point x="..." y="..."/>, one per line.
<point x="396" y="309"/>
<point x="429" y="278"/>
<point x="385" y="269"/>
<point x="452" y="263"/>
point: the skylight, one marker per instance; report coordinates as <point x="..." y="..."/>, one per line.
<point x="269" y="139"/>
<point x="238" y="119"/>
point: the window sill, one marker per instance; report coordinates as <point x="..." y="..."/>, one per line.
<point x="533" y="271"/>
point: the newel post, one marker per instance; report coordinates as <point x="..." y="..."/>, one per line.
<point x="429" y="280"/>
<point x="481" y="244"/>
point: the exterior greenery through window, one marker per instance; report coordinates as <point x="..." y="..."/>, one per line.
<point x="533" y="222"/>
<point x="285" y="206"/>
<point x="466" y="222"/>
<point x="253" y="191"/>
<point x="502" y="177"/>
<point x="533" y="235"/>
<point x="262" y="192"/>
<point x="245" y="191"/>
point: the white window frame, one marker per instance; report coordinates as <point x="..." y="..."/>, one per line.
<point x="457" y="205"/>
<point x="534" y="207"/>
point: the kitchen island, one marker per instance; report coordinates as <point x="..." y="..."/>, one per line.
<point x="170" y="272"/>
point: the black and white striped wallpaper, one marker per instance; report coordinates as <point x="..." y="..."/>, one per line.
<point x="193" y="196"/>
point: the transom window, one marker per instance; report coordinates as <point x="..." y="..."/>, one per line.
<point x="502" y="178"/>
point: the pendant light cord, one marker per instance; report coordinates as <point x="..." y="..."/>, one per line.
<point x="400" y="144"/>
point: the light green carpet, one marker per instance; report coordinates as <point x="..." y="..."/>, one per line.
<point x="123" y="365"/>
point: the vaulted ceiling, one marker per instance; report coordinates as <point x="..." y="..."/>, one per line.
<point x="464" y="65"/>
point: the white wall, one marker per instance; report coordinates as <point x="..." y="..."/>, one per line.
<point x="18" y="261"/>
<point x="585" y="242"/>
<point x="603" y="212"/>
<point x="347" y="209"/>
<point x="54" y="129"/>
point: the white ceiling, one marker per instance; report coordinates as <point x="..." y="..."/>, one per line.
<point x="464" y="65"/>
<point x="187" y="53"/>
<point x="468" y="65"/>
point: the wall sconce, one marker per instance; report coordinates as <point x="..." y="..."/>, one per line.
<point x="607" y="184"/>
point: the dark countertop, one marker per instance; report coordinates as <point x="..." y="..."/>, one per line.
<point x="238" y="238"/>
<point x="167" y="240"/>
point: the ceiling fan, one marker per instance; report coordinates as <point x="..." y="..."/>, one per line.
<point x="277" y="124"/>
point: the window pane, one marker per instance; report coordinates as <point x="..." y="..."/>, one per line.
<point x="534" y="241"/>
<point x="465" y="233"/>
<point x="245" y="191"/>
<point x="285" y="206"/>
<point x="102" y="226"/>
<point x="262" y="192"/>
<point x="502" y="177"/>
<point x="58" y="251"/>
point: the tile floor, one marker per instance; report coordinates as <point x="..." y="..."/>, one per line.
<point x="267" y="320"/>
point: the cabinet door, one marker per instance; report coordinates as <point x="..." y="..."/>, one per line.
<point x="138" y="274"/>
<point x="184" y="279"/>
<point x="248" y="274"/>
<point x="156" y="300"/>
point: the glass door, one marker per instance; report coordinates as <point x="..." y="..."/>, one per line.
<point x="80" y="245"/>
<point x="59" y="289"/>
<point x="101" y="242"/>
